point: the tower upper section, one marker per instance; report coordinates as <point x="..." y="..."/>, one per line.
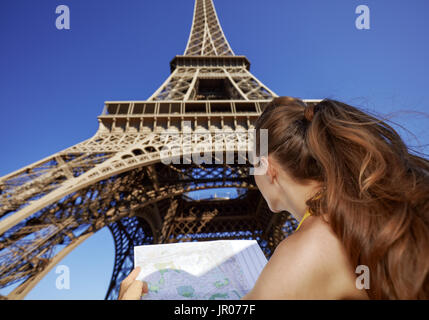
<point x="206" y="37"/>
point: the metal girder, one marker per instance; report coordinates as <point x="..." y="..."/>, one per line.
<point x="206" y="37"/>
<point x="31" y="244"/>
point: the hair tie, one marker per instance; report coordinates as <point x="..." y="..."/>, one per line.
<point x="311" y="109"/>
<point x="309" y="112"/>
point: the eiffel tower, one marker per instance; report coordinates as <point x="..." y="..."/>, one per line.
<point x="117" y="178"/>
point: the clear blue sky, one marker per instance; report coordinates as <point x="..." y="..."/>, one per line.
<point x="53" y="83"/>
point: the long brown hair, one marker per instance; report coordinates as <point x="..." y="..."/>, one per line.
<point x="376" y="192"/>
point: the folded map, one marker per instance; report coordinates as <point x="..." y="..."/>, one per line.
<point x="205" y="270"/>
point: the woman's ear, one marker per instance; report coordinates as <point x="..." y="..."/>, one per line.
<point x="271" y="169"/>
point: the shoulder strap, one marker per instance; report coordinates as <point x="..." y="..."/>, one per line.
<point x="307" y="214"/>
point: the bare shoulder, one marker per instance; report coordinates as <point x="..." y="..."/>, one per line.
<point x="309" y="264"/>
<point x="315" y="236"/>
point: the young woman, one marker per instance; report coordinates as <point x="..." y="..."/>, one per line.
<point x="362" y="200"/>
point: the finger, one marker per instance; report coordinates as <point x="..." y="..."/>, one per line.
<point x="128" y="280"/>
<point x="131" y="277"/>
<point x="134" y="291"/>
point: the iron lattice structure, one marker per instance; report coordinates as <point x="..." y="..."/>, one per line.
<point x="117" y="178"/>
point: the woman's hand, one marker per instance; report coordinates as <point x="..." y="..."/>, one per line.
<point x="132" y="289"/>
